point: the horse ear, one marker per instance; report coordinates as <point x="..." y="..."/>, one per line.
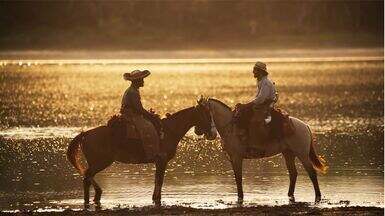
<point x="206" y="99"/>
<point x="200" y="100"/>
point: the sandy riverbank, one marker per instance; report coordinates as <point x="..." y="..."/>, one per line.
<point x="297" y="209"/>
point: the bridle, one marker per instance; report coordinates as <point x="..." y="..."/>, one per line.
<point x="213" y="128"/>
<point x="225" y="127"/>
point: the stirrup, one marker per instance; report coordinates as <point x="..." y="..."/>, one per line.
<point x="268" y="119"/>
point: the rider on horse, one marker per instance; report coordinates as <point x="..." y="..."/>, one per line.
<point x="147" y="123"/>
<point x="260" y="108"/>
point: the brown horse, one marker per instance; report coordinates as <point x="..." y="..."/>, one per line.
<point x="101" y="148"/>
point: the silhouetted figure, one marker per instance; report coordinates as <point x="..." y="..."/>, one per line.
<point x="147" y="124"/>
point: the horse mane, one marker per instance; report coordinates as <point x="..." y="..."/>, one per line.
<point x="220" y="102"/>
<point x="115" y="121"/>
<point x="176" y="114"/>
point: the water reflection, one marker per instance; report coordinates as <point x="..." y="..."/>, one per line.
<point x="210" y="191"/>
<point x="43" y="106"/>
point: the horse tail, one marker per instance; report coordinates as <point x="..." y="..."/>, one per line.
<point x="74" y="152"/>
<point x="319" y="163"/>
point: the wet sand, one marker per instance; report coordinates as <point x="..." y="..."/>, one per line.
<point x="294" y="209"/>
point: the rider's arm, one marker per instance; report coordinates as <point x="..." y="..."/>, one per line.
<point x="137" y="105"/>
<point x="262" y="95"/>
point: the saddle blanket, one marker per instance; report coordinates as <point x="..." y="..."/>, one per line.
<point x="123" y="127"/>
<point x="136" y="127"/>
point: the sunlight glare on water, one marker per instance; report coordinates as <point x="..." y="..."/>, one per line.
<point x="46" y="103"/>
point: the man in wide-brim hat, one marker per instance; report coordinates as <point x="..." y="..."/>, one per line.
<point x="266" y="97"/>
<point x="147" y="123"/>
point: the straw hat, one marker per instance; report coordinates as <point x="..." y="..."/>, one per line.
<point x="136" y="74"/>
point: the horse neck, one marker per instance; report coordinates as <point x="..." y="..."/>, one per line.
<point x="179" y="123"/>
<point x="222" y="116"/>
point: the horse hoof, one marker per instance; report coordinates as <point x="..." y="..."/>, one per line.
<point x="98" y="206"/>
<point x="157" y="203"/>
<point x="97" y="202"/>
<point x="240" y="201"/>
<point x="86" y="205"/>
<point x="317" y="199"/>
<point x="291" y="200"/>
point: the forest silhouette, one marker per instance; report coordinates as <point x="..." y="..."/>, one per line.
<point x="189" y="24"/>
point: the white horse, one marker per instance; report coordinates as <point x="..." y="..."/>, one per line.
<point x="301" y="144"/>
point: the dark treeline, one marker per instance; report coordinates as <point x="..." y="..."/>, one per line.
<point x="105" y="24"/>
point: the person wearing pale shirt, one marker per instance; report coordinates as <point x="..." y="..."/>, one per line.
<point x="261" y="105"/>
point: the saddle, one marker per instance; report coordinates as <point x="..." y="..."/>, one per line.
<point x="135" y="127"/>
<point x="122" y="128"/>
<point x="279" y="127"/>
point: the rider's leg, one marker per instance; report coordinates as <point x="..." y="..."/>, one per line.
<point x="158" y="155"/>
<point x="258" y="133"/>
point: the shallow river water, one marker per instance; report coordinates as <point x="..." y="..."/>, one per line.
<point x="44" y="104"/>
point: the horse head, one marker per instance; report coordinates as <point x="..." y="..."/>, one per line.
<point x="221" y="114"/>
<point x="205" y="124"/>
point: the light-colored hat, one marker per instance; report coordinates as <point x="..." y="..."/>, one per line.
<point x="136" y="74"/>
<point x="261" y="66"/>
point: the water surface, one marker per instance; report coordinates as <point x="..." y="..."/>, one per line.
<point x="44" y="104"/>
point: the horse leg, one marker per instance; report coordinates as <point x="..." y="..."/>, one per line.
<point x="237" y="167"/>
<point x="159" y="176"/>
<point x="290" y="164"/>
<point x="86" y="189"/>
<point x="98" y="191"/>
<point x="89" y="178"/>
<point x="313" y="176"/>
